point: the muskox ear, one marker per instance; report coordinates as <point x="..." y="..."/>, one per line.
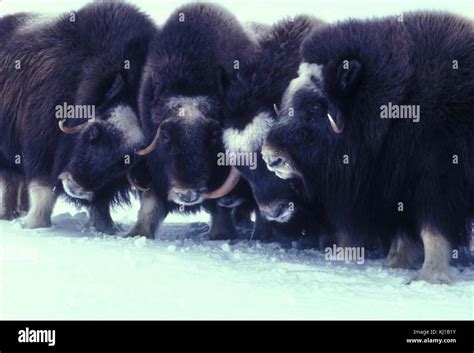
<point x="348" y="76"/>
<point x="116" y="88"/>
<point x="223" y="80"/>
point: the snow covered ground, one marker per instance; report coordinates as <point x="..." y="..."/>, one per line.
<point x="71" y="272"/>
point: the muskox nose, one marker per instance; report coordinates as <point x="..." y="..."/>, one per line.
<point x="274" y="161"/>
<point x="189" y="196"/>
<point x="271" y="158"/>
<point x="277" y="211"/>
<point x="278" y="163"/>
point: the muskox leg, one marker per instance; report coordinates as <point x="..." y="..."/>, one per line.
<point x="42" y="200"/>
<point x="344" y="239"/>
<point x="403" y="252"/>
<point x="222" y="224"/>
<point x="435" y="267"/>
<point x="23" y="197"/>
<point x="241" y="215"/>
<point x="262" y="230"/>
<point x="8" y="196"/>
<point x="100" y="219"/>
<point x="152" y="213"/>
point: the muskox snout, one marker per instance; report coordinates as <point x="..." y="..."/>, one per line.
<point x="188" y="197"/>
<point x="278" y="163"/>
<point x="73" y="189"/>
<point x="278" y="212"/>
<point x="184" y="196"/>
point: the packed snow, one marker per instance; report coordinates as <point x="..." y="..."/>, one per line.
<point x="70" y="271"/>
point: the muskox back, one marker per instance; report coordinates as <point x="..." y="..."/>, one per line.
<point x="8" y="25"/>
<point x="382" y="129"/>
<point x="198" y="44"/>
<point x="68" y="60"/>
<point x="89" y="58"/>
<point x="191" y="63"/>
<point x="424" y="61"/>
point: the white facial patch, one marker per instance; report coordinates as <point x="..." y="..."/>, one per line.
<point x="188" y="108"/>
<point x="251" y="138"/>
<point x="307" y="75"/>
<point x="125" y="120"/>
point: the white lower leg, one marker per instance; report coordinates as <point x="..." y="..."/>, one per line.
<point x="42" y="200"/>
<point x="435" y="267"/>
<point x="150" y="216"/>
<point x="403" y="252"/>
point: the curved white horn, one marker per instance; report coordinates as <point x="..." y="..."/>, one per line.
<point x="275" y="108"/>
<point x="334" y="126"/>
<point x="152" y="146"/>
<point x="228" y="186"/>
<point x="71" y="130"/>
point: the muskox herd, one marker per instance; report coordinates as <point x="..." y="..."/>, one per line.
<point x="361" y="130"/>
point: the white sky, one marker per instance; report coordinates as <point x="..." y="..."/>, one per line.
<point x="266" y="11"/>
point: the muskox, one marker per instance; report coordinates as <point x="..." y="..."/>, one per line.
<point x="250" y="111"/>
<point x="189" y="68"/>
<point x="375" y="171"/>
<point x="69" y="108"/>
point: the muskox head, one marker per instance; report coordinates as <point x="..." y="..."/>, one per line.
<point x="101" y="149"/>
<point x="251" y="109"/>
<point x="187" y="143"/>
<point x="192" y="61"/>
<point x="278" y="200"/>
<point x="312" y="119"/>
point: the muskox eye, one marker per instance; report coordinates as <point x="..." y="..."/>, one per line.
<point x="93" y="133"/>
<point x="165" y="136"/>
<point x="317" y="105"/>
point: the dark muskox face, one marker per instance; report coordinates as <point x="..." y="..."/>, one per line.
<point x="278" y="200"/>
<point x="188" y="142"/>
<point x="103" y="152"/>
<point x="311" y="119"/>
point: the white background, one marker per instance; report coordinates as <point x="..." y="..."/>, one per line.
<point x="266" y="11"/>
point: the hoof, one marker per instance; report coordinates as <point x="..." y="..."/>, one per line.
<point x="433" y="278"/>
<point x="29" y="222"/>
<point x="137" y="231"/>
